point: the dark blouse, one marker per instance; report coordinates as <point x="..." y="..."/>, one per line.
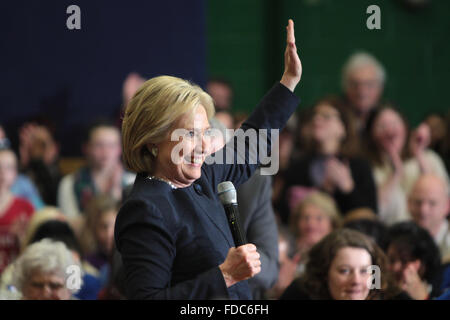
<point x="306" y="172"/>
<point x="172" y="241"/>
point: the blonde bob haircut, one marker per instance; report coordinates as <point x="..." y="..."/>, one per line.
<point x="151" y="114"/>
<point x="320" y="200"/>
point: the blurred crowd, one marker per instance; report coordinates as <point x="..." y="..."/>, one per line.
<point x="357" y="186"/>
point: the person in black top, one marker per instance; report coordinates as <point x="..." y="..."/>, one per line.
<point x="172" y="232"/>
<point x="330" y="163"/>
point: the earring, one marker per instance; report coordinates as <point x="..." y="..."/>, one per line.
<point x="155" y="151"/>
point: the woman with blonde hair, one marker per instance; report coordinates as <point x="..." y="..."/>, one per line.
<point x="172" y="231"/>
<point x="315" y="217"/>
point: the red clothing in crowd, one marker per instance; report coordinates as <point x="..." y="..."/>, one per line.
<point x="9" y="243"/>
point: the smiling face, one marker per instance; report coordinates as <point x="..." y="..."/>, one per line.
<point x="348" y="274"/>
<point x="180" y="161"/>
<point x="389" y="131"/>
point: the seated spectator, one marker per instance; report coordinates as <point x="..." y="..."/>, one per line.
<point x="363" y="80"/>
<point x="58" y="230"/>
<point x="22" y="187"/>
<point x="40" y="273"/>
<point x="414" y="260"/>
<point x="14" y="211"/>
<point x="331" y="164"/>
<point x="314" y="218"/>
<point x="429" y="205"/>
<point x="338" y="269"/>
<point x="104" y="173"/>
<point x="97" y="237"/>
<point x="396" y="163"/>
<point x="39" y="159"/>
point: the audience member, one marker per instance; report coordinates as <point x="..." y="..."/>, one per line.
<point x="14" y="211"/>
<point x="22" y="187"/>
<point x="315" y="217"/>
<point x="104" y="173"/>
<point x="39" y="155"/>
<point x="363" y="79"/>
<point x="338" y="268"/>
<point x="429" y="206"/>
<point x="40" y="273"/>
<point x="332" y="163"/>
<point x="396" y="163"/>
<point x="414" y="259"/>
<point x="58" y="230"/>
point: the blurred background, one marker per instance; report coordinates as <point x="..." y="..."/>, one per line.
<point x="70" y="77"/>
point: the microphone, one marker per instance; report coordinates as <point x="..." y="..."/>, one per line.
<point x="228" y="197"/>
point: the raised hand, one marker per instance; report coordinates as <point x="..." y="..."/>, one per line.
<point x="340" y="175"/>
<point x="292" y="64"/>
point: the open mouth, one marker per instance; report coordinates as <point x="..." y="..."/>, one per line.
<point x="194" y="161"/>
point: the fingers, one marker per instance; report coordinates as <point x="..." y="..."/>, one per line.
<point x="250" y="258"/>
<point x="290" y="33"/>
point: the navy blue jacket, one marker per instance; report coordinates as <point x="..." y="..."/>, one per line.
<point x="172" y="241"/>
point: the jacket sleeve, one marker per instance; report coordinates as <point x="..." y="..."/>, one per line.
<point x="148" y="250"/>
<point x="251" y="146"/>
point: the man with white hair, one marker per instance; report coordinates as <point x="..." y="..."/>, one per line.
<point x="429" y="207"/>
<point x="363" y="79"/>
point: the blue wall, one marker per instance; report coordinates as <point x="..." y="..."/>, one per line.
<point x="74" y="76"/>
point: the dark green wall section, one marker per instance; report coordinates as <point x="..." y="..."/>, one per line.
<point x="246" y="44"/>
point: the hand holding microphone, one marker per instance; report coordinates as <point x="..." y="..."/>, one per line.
<point x="242" y="262"/>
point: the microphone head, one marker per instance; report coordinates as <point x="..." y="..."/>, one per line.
<point x="227" y="192"/>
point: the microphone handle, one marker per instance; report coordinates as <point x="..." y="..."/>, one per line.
<point x="233" y="221"/>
